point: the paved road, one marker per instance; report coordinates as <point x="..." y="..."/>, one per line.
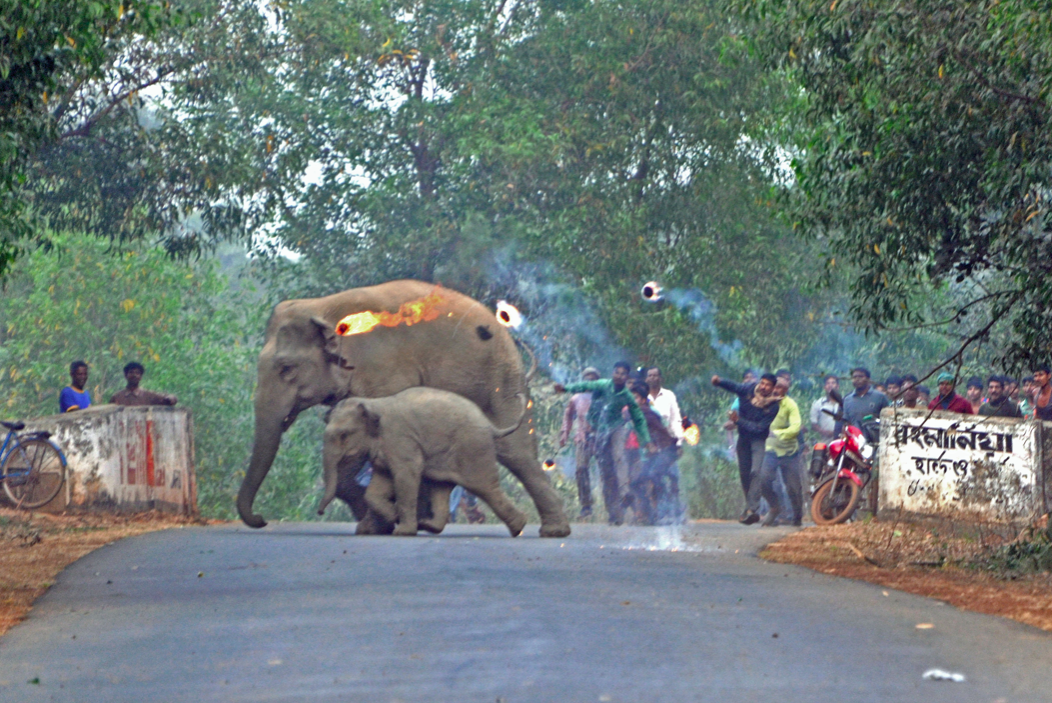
<point x="307" y="612"/>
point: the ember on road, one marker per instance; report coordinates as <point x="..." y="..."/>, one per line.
<point x="310" y="612"/>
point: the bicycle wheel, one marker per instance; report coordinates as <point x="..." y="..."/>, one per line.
<point x="33" y="473"/>
<point x="829" y="508"/>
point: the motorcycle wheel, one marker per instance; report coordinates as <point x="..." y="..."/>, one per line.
<point x="829" y="508"/>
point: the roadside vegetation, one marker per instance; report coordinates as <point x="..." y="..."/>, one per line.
<point x="816" y="186"/>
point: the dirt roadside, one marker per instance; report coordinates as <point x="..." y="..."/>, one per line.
<point x="920" y="559"/>
<point x="36" y="547"/>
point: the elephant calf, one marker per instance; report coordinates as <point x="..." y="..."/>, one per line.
<point x="420" y="433"/>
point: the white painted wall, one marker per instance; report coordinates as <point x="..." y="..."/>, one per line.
<point x="944" y="463"/>
<point x="127" y="458"/>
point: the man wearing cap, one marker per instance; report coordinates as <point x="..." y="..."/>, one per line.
<point x="583" y="440"/>
<point x="973" y="393"/>
<point x="997" y="403"/>
<point x="948" y="399"/>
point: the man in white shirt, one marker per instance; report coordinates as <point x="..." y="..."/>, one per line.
<point x="823" y="423"/>
<point x="663" y="402"/>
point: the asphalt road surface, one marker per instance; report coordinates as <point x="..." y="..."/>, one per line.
<point x="308" y="612"/>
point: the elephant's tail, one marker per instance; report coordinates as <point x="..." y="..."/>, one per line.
<point x="498" y="433"/>
<point x="533" y="360"/>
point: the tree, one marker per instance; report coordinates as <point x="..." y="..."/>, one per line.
<point x="923" y="154"/>
<point x="43" y="43"/>
<point x="456" y="141"/>
<point x="143" y="144"/>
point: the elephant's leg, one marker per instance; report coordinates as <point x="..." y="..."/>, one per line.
<point x="518" y="453"/>
<point x="407" y="495"/>
<point x="488" y="489"/>
<point x="379" y="496"/>
<point x="439" y="506"/>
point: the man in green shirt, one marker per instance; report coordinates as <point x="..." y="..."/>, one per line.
<point x="783" y="456"/>
<point x="609" y="398"/>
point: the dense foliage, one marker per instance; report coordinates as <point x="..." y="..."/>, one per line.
<point x="923" y="151"/>
<point x="49" y="49"/>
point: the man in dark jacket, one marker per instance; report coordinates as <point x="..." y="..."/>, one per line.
<point x="997" y="403"/>
<point x="757" y="407"/>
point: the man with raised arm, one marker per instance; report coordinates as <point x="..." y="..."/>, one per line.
<point x="609" y="397"/>
<point x="757" y="408"/>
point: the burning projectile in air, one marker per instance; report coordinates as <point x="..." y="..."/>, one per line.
<point x="508" y="315"/>
<point x="421" y="310"/>
<point x="652" y="292"/>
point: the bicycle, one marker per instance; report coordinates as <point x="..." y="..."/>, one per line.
<point x="32" y="467"/>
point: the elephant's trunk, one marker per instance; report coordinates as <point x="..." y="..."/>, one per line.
<point x="330" y="462"/>
<point x="270" y="423"/>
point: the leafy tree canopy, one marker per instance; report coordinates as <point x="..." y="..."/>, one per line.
<point x="923" y="152"/>
<point x="46" y="46"/>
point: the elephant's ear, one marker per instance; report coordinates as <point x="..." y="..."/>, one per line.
<point x="328" y="340"/>
<point x="371" y="421"/>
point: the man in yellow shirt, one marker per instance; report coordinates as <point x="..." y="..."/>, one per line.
<point x="783" y="455"/>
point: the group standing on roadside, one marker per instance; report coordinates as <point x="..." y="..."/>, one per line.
<point x="614" y="419"/>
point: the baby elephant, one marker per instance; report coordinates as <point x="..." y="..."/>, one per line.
<point x="420" y="433"/>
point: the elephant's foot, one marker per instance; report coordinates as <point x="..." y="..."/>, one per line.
<point x="405" y="530"/>
<point x="372" y="525"/>
<point x="516" y="525"/>
<point x="555" y="529"/>
<point x="431" y="526"/>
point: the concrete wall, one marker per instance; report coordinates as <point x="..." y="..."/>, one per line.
<point x="945" y="464"/>
<point x="126" y="458"/>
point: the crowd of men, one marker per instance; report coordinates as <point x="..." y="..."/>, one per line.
<point x="75" y="396"/>
<point x="637" y="458"/>
<point x="614" y="419"/>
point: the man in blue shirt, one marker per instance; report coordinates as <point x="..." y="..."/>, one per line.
<point x="74" y="396"/>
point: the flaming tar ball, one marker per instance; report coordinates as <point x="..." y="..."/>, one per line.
<point x="652" y="292"/>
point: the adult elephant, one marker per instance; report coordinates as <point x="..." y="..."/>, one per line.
<point x="459" y="346"/>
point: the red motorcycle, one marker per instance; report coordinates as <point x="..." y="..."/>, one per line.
<point x="842" y="470"/>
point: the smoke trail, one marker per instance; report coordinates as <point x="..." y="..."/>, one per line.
<point x="703" y="312"/>
<point x="561" y="325"/>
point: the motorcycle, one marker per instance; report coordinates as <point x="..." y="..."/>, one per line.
<point x="842" y="469"/>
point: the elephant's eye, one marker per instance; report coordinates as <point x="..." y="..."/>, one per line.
<point x="286" y="370"/>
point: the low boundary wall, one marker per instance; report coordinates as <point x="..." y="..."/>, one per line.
<point x="942" y="464"/>
<point x="125" y="458"/>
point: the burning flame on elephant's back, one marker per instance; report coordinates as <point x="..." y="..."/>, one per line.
<point x="420" y="310"/>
